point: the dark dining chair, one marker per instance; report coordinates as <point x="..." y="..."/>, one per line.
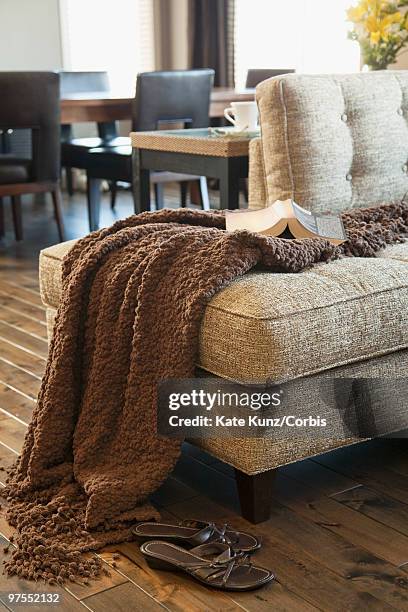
<point x="257" y="75"/>
<point x="180" y="98"/>
<point x="30" y="101"/>
<point x="74" y="150"/>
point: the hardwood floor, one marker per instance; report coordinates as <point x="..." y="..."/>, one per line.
<point x="338" y="535"/>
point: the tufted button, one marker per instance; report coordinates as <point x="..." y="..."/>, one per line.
<point x="349" y="177"/>
<point x="400" y="111"/>
<point x="344" y="117"/>
<point x="405" y="168"/>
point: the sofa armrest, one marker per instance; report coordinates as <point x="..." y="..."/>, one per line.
<point x="256" y="187"/>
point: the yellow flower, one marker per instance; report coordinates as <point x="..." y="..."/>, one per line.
<point x="372" y="24"/>
<point x="395" y="17"/>
<point x="355" y="14"/>
<point x="379" y="29"/>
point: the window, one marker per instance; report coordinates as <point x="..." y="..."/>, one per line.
<point x="112" y="35"/>
<point x="308" y="35"/>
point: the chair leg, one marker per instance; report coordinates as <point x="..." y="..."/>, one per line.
<point x="184" y="185"/>
<point x="2" y="226"/>
<point x="113" y="192"/>
<point x="159" y="195"/>
<point x="70" y="181"/>
<point x="244" y="187"/>
<point x="205" y="199"/>
<point x="94" y="202"/>
<point x="59" y="217"/>
<point x="255" y="495"/>
<point x="17" y="216"/>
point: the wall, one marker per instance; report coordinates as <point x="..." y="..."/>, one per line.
<point x="170" y="25"/>
<point x="402" y="62"/>
<point x="179" y="24"/>
<point x="30" y="35"/>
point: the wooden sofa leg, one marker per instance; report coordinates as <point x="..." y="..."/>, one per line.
<point x="255" y="495"/>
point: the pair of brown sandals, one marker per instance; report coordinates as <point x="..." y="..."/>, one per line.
<point x="218" y="557"/>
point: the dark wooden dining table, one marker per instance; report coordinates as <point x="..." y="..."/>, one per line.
<point x="103" y="107"/>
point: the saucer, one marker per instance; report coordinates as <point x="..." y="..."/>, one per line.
<point x="234" y="133"/>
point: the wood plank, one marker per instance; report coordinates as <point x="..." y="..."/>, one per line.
<point x="35" y="328"/>
<point x="283" y="599"/>
<point x="6" y="530"/>
<point x="185" y="595"/>
<point x="25" y="265"/>
<point x="22" y="307"/>
<point x="367" y="572"/>
<point x="22" y="359"/>
<point x="198" y="475"/>
<point x="320" y="477"/>
<point x="397" y="455"/>
<point x="385" y="510"/>
<point x="76" y="589"/>
<point x="26" y="279"/>
<point x="360" y="530"/>
<point x="122" y="598"/>
<point x="7" y="458"/>
<point x="368" y="470"/>
<point x="12" y="584"/>
<point x="343" y="555"/>
<point x="24" y="340"/>
<point x="172" y="491"/>
<point x="19" y="380"/>
<point x="16" y="404"/>
<point x="12" y="432"/>
<point x="98" y="585"/>
<point x="296" y="569"/>
<point x="22" y="293"/>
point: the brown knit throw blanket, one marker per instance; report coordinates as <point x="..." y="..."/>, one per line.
<point x="130" y="312"/>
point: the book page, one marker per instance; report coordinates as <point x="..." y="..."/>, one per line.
<point x="262" y="220"/>
<point x="325" y="226"/>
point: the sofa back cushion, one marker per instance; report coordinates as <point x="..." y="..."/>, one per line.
<point x="335" y="142"/>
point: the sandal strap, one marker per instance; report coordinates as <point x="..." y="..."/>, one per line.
<point x="211" y="530"/>
<point x="231" y="538"/>
<point x="222" y="566"/>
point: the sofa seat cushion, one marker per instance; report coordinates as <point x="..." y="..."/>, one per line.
<point x="268" y="326"/>
<point x="396" y="251"/>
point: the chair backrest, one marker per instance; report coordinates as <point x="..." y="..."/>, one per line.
<point x="80" y="82"/>
<point x="257" y="75"/>
<point x="179" y="96"/>
<point x="335" y="141"/>
<point x="30" y="100"/>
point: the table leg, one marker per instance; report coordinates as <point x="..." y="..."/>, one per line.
<point x="141" y="183"/>
<point x="94" y="201"/>
<point x="229" y="183"/>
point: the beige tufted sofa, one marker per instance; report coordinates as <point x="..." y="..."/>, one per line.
<point x="327" y="142"/>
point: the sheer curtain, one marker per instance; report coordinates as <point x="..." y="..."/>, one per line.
<point x="112" y="35"/>
<point x="308" y="35"/>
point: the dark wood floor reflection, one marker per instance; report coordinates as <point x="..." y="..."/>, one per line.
<point x="338" y="535"/>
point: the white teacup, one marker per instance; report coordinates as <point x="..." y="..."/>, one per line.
<point x="243" y="116"/>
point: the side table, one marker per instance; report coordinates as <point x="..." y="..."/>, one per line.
<point x="195" y="151"/>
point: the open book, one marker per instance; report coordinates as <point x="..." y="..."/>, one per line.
<point x="287" y="217"/>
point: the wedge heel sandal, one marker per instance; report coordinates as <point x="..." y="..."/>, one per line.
<point x="194" y="533"/>
<point x="215" y="565"/>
